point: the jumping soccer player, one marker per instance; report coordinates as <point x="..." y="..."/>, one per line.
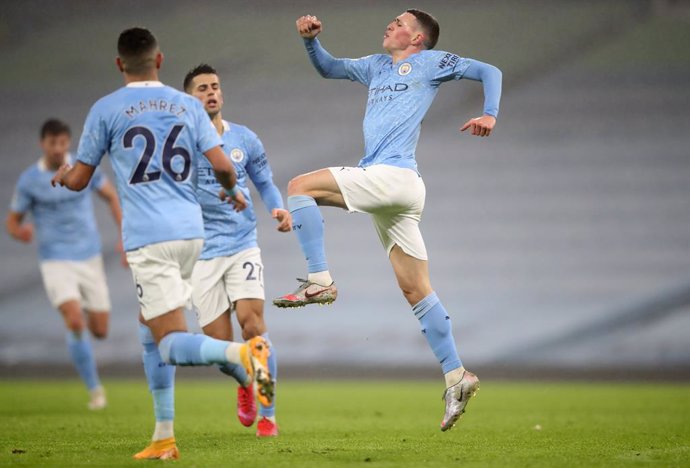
<point x="153" y="133"/>
<point x="402" y="84"/>
<point x="69" y="248"/>
<point x="229" y="272"/>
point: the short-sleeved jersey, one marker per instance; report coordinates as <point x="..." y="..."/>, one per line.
<point x="226" y="231"/>
<point x="154" y="135"/>
<point x="399" y="96"/>
<point x="65" y="222"/>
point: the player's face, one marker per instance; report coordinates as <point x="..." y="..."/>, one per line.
<point x="206" y="88"/>
<point x="400" y="32"/>
<point x="55" y="147"/>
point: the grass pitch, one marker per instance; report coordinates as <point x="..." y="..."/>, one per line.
<point x="356" y="423"/>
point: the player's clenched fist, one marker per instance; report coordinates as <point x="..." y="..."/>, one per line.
<point x="308" y="26"/>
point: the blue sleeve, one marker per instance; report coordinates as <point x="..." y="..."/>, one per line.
<point x="446" y="66"/>
<point x="206" y="136"/>
<point x="330" y="67"/>
<point x="94" y="141"/>
<point x="491" y="78"/>
<point x="259" y="171"/>
<point x="21" y="200"/>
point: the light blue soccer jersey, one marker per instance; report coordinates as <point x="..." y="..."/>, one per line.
<point x="154" y="135"/>
<point x="226" y="231"/>
<point x="65" y="222"/>
<point x="400" y="95"/>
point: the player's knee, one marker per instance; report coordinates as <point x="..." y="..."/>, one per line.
<point x="413" y="293"/>
<point x="75" y="323"/>
<point x="411" y="296"/>
<point x="297" y="186"/>
<point x="253" y="327"/>
<point x="98" y="324"/>
<point x="99" y="332"/>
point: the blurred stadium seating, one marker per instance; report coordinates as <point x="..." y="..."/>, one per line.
<point x="562" y="242"/>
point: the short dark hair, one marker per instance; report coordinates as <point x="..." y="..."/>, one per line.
<point x="54" y="127"/>
<point x="134" y="46"/>
<point x="429" y="26"/>
<point x="201" y="69"/>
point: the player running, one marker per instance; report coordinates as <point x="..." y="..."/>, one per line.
<point x="229" y="272"/>
<point x="69" y="249"/>
<point x="153" y="134"/>
<point x="402" y="84"/>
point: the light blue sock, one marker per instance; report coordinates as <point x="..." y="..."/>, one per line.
<point x="307" y="223"/>
<point x="437" y="329"/>
<point x="159" y="375"/>
<point x="79" y="346"/>
<point x="192" y="349"/>
<point x="270" y="411"/>
<point x="235" y="371"/>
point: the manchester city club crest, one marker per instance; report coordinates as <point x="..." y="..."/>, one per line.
<point x="237" y="155"/>
<point x="404" y="69"/>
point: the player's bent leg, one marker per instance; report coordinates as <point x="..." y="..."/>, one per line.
<point x="305" y="193"/>
<point x="81" y="352"/>
<point x="178" y="347"/>
<point x="413" y="278"/>
<point x="161" y="381"/>
<point x="319" y="185"/>
<point x="250" y="315"/>
<point x="221" y="328"/>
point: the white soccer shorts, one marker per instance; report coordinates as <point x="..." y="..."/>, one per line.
<point x="162" y="275"/>
<point x="218" y="282"/>
<point x="393" y="196"/>
<point x="80" y="280"/>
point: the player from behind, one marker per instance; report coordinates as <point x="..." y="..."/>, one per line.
<point x="229" y="272"/>
<point x="153" y="134"/>
<point x="402" y="84"/>
<point x="69" y="248"/>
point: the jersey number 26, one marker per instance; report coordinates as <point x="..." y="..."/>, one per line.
<point x="169" y="152"/>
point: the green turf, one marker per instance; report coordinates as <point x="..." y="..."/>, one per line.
<point x="357" y="423"/>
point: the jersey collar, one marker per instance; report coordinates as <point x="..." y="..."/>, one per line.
<point x="145" y="84"/>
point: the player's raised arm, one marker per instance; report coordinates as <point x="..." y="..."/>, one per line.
<point x="327" y="66"/>
<point x="491" y="78"/>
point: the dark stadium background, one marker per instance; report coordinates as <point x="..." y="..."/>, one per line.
<point x="560" y="245"/>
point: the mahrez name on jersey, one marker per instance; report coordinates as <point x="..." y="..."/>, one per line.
<point x="159" y="105"/>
